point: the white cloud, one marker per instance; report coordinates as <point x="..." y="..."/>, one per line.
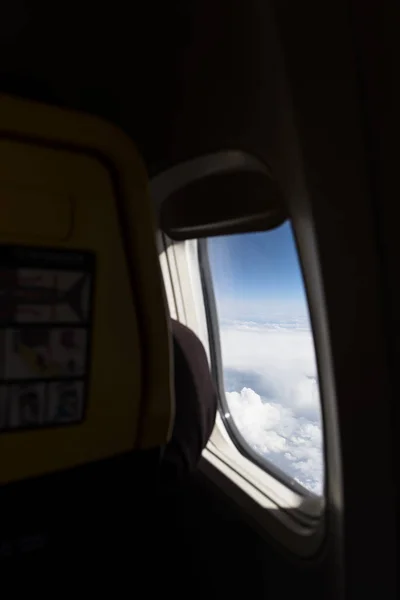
<point x="283" y="358"/>
<point x="281" y="417"/>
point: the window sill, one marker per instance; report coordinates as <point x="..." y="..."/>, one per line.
<point x="295" y="521"/>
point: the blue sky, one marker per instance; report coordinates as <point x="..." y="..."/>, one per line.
<point x="257" y="275"/>
<point x="268" y="356"/>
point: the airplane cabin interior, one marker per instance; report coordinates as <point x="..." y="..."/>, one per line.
<point x="176" y="178"/>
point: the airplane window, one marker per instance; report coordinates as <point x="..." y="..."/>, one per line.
<point x="270" y="374"/>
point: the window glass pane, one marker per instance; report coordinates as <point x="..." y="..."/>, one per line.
<point x="270" y="371"/>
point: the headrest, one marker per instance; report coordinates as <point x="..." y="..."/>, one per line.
<point x="195" y="404"/>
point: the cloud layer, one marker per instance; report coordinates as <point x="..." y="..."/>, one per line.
<point x="272" y="393"/>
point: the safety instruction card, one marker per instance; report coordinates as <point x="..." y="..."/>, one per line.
<point x="45" y="333"/>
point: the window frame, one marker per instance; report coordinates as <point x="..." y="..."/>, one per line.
<point x="217" y="371"/>
<point x="298" y="522"/>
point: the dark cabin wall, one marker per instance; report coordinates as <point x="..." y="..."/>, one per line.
<point x="121" y="61"/>
<point x="181" y="78"/>
<point x="224" y="555"/>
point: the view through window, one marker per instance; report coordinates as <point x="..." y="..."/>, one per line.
<point x="270" y="371"/>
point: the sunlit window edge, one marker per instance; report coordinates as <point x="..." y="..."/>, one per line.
<point x="266" y="483"/>
<point x="267" y="517"/>
<point x="265" y="490"/>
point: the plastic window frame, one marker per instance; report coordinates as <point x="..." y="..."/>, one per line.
<point x="295" y="518"/>
<point x="217" y="371"/>
<point x="274" y="503"/>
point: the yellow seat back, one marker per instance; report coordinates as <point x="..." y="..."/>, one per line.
<point x="84" y="346"/>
